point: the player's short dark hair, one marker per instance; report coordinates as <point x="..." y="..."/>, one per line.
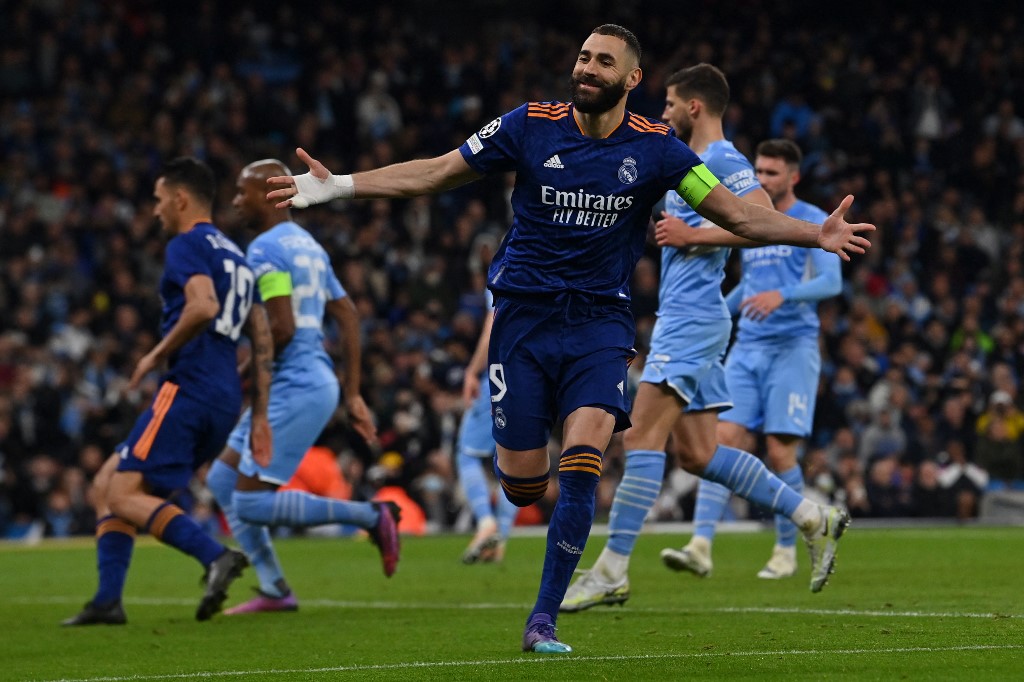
<point x="192" y="174"/>
<point x="704" y="82"/>
<point x="623" y="34"/>
<point x="781" y="148"/>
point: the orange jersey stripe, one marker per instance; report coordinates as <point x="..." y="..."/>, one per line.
<point x="161" y="406"/>
<point x="552" y="111"/>
<point x="647" y="122"/>
<point x="643" y="125"/>
<point x="163" y="517"/>
<point x="548" y="105"/>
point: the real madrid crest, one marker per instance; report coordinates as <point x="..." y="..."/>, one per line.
<point x="627" y="171"/>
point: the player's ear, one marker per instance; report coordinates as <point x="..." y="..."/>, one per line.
<point x="181" y="198"/>
<point x="634" y="78"/>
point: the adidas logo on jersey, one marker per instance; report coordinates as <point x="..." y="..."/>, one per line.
<point x="554" y="162"/>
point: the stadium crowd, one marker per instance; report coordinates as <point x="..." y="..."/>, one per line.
<point x="919" y="114"/>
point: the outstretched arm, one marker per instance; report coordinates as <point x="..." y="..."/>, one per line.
<point x="409" y="179"/>
<point x="345" y="314"/>
<point x="671" y="231"/>
<point x="745" y="219"/>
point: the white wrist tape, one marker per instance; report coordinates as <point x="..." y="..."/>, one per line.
<point x="312" y="190"/>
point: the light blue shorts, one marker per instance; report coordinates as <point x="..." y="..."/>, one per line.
<point x="686" y="354"/>
<point x="774" y="386"/>
<point x="297" y="416"/>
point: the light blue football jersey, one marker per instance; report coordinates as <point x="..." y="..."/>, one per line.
<point x="289" y="249"/>
<point x="691" y="278"/>
<point x="778" y="267"/>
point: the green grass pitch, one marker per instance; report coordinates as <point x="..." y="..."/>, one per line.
<point x="914" y="604"/>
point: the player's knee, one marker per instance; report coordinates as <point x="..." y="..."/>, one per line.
<point x="522" y="492"/>
<point x="221" y="481"/>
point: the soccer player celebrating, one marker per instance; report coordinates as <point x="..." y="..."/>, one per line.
<point x="683" y="387"/>
<point x="208" y="293"/>
<point x="297" y="284"/>
<point x="773" y="367"/>
<point x="588" y="173"/>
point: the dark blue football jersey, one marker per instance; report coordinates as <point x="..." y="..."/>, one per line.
<point x="206" y="366"/>
<point x="581" y="204"/>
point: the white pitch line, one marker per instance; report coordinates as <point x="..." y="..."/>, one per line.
<point x="437" y="606"/>
<point x="545" y="660"/>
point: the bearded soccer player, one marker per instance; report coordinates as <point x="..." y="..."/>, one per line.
<point x="588" y="173"/>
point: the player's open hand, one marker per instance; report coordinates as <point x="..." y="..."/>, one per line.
<point x="261" y="440"/>
<point x="671" y="231"/>
<point x="361" y="419"/>
<point x="839" y="236"/>
<point x="300" y="191"/>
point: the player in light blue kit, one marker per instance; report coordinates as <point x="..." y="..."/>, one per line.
<point x="683" y="385"/>
<point x="297" y="283"/>
<point x="475" y="447"/>
<point x="773" y="367"/>
<point x="587" y="175"/>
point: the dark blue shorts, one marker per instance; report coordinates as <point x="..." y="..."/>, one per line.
<point x="175" y="436"/>
<point x="548" y="357"/>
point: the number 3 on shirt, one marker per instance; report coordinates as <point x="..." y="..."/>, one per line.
<point x="240" y="296"/>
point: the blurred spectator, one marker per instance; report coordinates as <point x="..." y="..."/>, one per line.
<point x="1000" y="447"/>
<point x="963" y="479"/>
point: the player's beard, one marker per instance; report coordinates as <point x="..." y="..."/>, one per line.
<point x="685" y="130"/>
<point x="605" y="99"/>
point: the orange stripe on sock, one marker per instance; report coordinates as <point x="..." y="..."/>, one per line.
<point x="583" y="461"/>
<point x="115" y="526"/>
<point x="589" y="470"/>
<point x="163" y="517"/>
<point x="161" y="406"/>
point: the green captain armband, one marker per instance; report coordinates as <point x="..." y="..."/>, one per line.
<point x="697" y="184"/>
<point x="274" y="284"/>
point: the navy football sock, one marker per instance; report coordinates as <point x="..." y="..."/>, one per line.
<point x="115" y="540"/>
<point x="579" y="471"/>
<point x="170" y="525"/>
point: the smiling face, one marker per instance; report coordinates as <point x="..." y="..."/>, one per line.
<point x="605" y="71"/>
